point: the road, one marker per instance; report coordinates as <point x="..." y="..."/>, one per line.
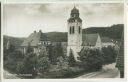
<point x="108" y="71"/>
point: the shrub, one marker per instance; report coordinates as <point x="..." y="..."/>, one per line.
<point x="11" y="58"/>
<point x="28" y="65"/>
<point x="91" y="59"/>
<point x="62" y="63"/>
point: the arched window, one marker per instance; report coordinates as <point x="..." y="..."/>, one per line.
<point x="79" y="29"/>
<point x="73" y="29"/>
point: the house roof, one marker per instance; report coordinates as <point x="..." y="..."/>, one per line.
<point x="89" y="39"/>
<point x="106" y="39"/>
<point x="34" y="39"/>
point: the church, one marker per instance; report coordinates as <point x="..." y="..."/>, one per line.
<point x="75" y="39"/>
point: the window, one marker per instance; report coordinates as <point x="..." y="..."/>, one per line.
<point x="73" y="29"/>
<point x="79" y="29"/>
<point x="70" y="29"/>
<point x="72" y="15"/>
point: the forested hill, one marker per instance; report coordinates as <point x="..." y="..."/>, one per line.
<point x="57" y="36"/>
<point x="16" y="41"/>
<point x="114" y="32"/>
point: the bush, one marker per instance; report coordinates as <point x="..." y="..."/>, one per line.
<point x="62" y="63"/>
<point x="28" y="65"/>
<point x="11" y="58"/>
<point x="91" y="59"/>
<point x="109" y="54"/>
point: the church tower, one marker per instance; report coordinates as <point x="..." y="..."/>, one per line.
<point x="74" y="32"/>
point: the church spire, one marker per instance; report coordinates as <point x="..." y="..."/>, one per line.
<point x="74" y="16"/>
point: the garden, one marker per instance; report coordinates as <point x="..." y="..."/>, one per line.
<point x="53" y="63"/>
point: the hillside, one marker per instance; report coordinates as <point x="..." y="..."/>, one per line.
<point x="57" y="36"/>
<point x="16" y="41"/>
<point x="113" y="32"/>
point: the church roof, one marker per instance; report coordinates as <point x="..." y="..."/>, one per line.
<point x="34" y="39"/>
<point x="89" y="39"/>
<point x="106" y="39"/>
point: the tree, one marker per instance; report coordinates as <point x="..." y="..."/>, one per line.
<point x="71" y="59"/>
<point x="109" y="54"/>
<point x="56" y="52"/>
<point x="62" y="63"/>
<point x="28" y="64"/>
<point x="43" y="52"/>
<point x="43" y="61"/>
<point x="43" y="64"/>
<point x="11" y="58"/>
<point x="91" y="59"/>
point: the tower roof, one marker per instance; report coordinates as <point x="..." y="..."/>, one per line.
<point x="74" y="10"/>
<point x="74" y="15"/>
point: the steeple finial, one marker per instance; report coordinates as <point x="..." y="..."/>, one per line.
<point x="74" y="5"/>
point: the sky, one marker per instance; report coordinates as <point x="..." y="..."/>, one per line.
<point x="20" y="20"/>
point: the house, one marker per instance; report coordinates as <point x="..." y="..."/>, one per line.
<point x="36" y="40"/>
<point x="39" y="41"/>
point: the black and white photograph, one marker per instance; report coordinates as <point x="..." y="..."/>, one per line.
<point x="0" y="41"/>
<point x="63" y="40"/>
